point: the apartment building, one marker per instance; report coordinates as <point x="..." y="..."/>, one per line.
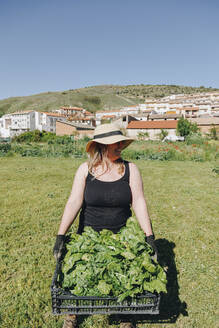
<point x="189" y="105"/>
<point x="116" y="113"/>
<point x="16" y="123"/>
<point x="70" y="111"/>
<point x="83" y="120"/>
<point x="47" y="121"/>
<point x="73" y="111"/>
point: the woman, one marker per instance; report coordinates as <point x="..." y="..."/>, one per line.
<point x="104" y="189"/>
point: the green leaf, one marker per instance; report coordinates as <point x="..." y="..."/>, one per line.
<point x="104" y="288"/>
<point x="128" y="255"/>
<point x="111" y="264"/>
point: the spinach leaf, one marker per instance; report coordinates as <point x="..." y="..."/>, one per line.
<point x="120" y="265"/>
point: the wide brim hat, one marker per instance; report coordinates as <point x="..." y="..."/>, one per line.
<point x="107" y="134"/>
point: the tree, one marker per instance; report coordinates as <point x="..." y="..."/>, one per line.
<point x="194" y="128"/>
<point x="184" y="127"/>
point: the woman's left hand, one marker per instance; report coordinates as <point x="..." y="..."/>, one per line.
<point x="59" y="245"/>
<point x="151" y="241"/>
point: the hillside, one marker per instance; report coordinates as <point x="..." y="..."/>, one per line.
<point x="95" y="98"/>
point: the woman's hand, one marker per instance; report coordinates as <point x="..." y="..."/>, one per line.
<point x="151" y="241"/>
<point x="59" y="246"/>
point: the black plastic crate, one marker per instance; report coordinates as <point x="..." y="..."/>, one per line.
<point x="64" y="302"/>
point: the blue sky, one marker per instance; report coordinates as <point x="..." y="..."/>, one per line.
<point x="55" y="45"/>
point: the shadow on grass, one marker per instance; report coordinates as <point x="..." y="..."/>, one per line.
<point x="170" y="306"/>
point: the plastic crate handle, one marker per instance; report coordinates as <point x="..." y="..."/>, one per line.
<point x="55" y="276"/>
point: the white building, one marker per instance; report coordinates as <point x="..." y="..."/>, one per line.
<point x="47" y="121"/>
<point x="101" y="114"/>
<point x="116" y="113"/>
<point x="71" y="111"/>
<point x="152" y="128"/>
<point x="204" y="108"/>
<point x="17" y="123"/>
<point x="5" y="123"/>
<point x="131" y="110"/>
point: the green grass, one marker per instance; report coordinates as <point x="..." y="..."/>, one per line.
<point x="183" y="201"/>
<point x="49" y="101"/>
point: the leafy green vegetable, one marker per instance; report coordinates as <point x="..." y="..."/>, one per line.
<point x="101" y="264"/>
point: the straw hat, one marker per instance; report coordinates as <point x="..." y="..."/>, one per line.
<point x="107" y="134"/>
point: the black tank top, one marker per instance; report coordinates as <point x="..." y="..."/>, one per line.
<point x="106" y="204"/>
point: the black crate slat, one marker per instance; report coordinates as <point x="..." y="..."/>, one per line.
<point x="63" y="302"/>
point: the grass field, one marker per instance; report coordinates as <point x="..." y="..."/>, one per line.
<point x="183" y="201"/>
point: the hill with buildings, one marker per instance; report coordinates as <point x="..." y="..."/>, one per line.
<point x="60" y="112"/>
<point x="103" y="97"/>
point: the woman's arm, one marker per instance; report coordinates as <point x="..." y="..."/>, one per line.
<point x="138" y="200"/>
<point x="75" y="200"/>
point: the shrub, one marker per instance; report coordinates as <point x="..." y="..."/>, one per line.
<point x="93" y="99"/>
<point x="185" y="128"/>
<point x="196" y="148"/>
<point x="47" y="136"/>
<point x="4" y="148"/>
<point x="63" y="140"/>
<point x="86" y="139"/>
<point x="164" y="155"/>
<point x="194" y="139"/>
<point x="33" y="152"/>
<point x="214" y="133"/>
<point x="34" y="136"/>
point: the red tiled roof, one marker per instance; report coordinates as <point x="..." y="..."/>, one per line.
<point x="88" y="113"/>
<point x="171" y="124"/>
<point x="132" y="106"/>
<point x="72" y="108"/>
<point x="53" y="114"/>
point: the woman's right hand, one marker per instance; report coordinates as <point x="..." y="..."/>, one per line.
<point x="59" y="246"/>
